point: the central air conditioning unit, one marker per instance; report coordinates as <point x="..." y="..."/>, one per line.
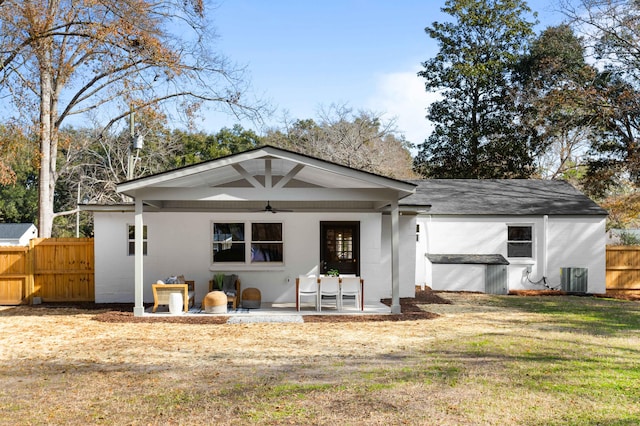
<point x="574" y="280"/>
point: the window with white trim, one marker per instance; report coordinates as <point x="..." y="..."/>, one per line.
<point x="266" y="242"/>
<point x="228" y="242"/>
<point x="248" y="243"/>
<point x="131" y="240"/>
<point x="520" y="241"/>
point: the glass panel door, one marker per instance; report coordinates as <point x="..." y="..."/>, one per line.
<point x="340" y="247"/>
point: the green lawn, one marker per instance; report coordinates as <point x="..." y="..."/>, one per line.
<point x="572" y="360"/>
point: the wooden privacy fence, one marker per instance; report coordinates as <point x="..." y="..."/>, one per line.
<point x="623" y="270"/>
<point x="62" y="270"/>
<point x="52" y="269"/>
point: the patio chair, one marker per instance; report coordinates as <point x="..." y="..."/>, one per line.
<point x="330" y="286"/>
<point x="306" y="286"/>
<point x="350" y="286"/>
<point x="161" y="294"/>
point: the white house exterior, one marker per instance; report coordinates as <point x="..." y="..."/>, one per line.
<point x="187" y="219"/>
<point x="458" y="235"/>
<point x="552" y="227"/>
<point x="180" y="243"/>
<point x="17" y="234"/>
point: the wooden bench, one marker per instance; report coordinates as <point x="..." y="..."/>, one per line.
<point x="161" y="294"/>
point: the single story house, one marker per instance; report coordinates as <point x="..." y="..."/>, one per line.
<point x="515" y="234"/>
<point x="17" y="234"/>
<point x="269" y="215"/>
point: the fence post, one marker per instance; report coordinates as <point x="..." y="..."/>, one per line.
<point x="30" y="268"/>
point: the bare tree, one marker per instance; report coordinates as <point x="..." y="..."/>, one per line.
<point x="361" y="140"/>
<point x="60" y="58"/>
<point x="611" y="30"/>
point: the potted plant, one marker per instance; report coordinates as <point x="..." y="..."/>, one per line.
<point x="333" y="273"/>
<point x="219" y="280"/>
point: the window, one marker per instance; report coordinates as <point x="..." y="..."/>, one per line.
<point x="228" y="242"/>
<point x="255" y="243"/>
<point x="266" y="242"/>
<point x="131" y="240"/>
<point x="520" y="241"/>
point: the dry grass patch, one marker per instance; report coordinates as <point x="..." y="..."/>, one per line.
<point x="483" y="360"/>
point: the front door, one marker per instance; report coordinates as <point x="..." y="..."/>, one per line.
<point x="340" y="247"/>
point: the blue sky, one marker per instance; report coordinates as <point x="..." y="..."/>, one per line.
<point x="303" y="55"/>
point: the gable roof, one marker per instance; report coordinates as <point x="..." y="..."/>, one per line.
<point x="266" y="173"/>
<point x="13" y="231"/>
<point x="518" y="197"/>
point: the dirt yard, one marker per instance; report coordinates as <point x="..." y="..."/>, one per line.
<point x="75" y="365"/>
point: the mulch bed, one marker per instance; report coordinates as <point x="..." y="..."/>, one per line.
<point x="409" y="307"/>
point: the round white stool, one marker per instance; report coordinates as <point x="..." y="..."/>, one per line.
<point x="175" y="303"/>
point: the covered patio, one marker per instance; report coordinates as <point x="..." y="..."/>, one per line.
<point x="275" y="312"/>
<point x="308" y="215"/>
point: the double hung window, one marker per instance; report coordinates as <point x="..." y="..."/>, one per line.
<point x="228" y="242"/>
<point x="131" y="240"/>
<point x="266" y="242"/>
<point x="520" y="241"/>
<point x="248" y="243"/>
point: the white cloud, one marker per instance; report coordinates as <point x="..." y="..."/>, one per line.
<point x="401" y="95"/>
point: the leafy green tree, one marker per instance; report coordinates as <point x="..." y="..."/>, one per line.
<point x="615" y="149"/>
<point x="478" y="132"/>
<point x="198" y="147"/>
<point x="19" y="196"/>
<point x="555" y="84"/>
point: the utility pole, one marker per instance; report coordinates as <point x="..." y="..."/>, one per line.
<point x="136" y="145"/>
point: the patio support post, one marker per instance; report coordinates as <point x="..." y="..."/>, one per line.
<point x="138" y="309"/>
<point x="395" y="257"/>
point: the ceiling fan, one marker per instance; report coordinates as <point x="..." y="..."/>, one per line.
<point x="269" y="209"/>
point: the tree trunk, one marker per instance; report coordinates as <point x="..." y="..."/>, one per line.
<point x="46" y="183"/>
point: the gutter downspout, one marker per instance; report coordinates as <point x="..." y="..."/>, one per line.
<point x="545" y="245"/>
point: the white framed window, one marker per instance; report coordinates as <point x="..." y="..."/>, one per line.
<point x="229" y="242"/>
<point x="520" y="241"/>
<point x="247" y="243"/>
<point x="131" y="240"/>
<point x="266" y="242"/>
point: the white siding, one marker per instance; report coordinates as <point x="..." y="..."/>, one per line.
<point x="577" y="241"/>
<point x="459" y="277"/>
<point x="180" y="243"/>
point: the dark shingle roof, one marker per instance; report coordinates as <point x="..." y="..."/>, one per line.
<point x="13" y="231"/>
<point x="471" y="259"/>
<point x="501" y="197"/>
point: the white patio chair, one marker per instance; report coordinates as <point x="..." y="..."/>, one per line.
<point x="350" y="286"/>
<point x="307" y="286"/>
<point x="330" y="286"/>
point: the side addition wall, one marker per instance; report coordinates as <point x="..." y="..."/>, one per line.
<point x="564" y="241"/>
